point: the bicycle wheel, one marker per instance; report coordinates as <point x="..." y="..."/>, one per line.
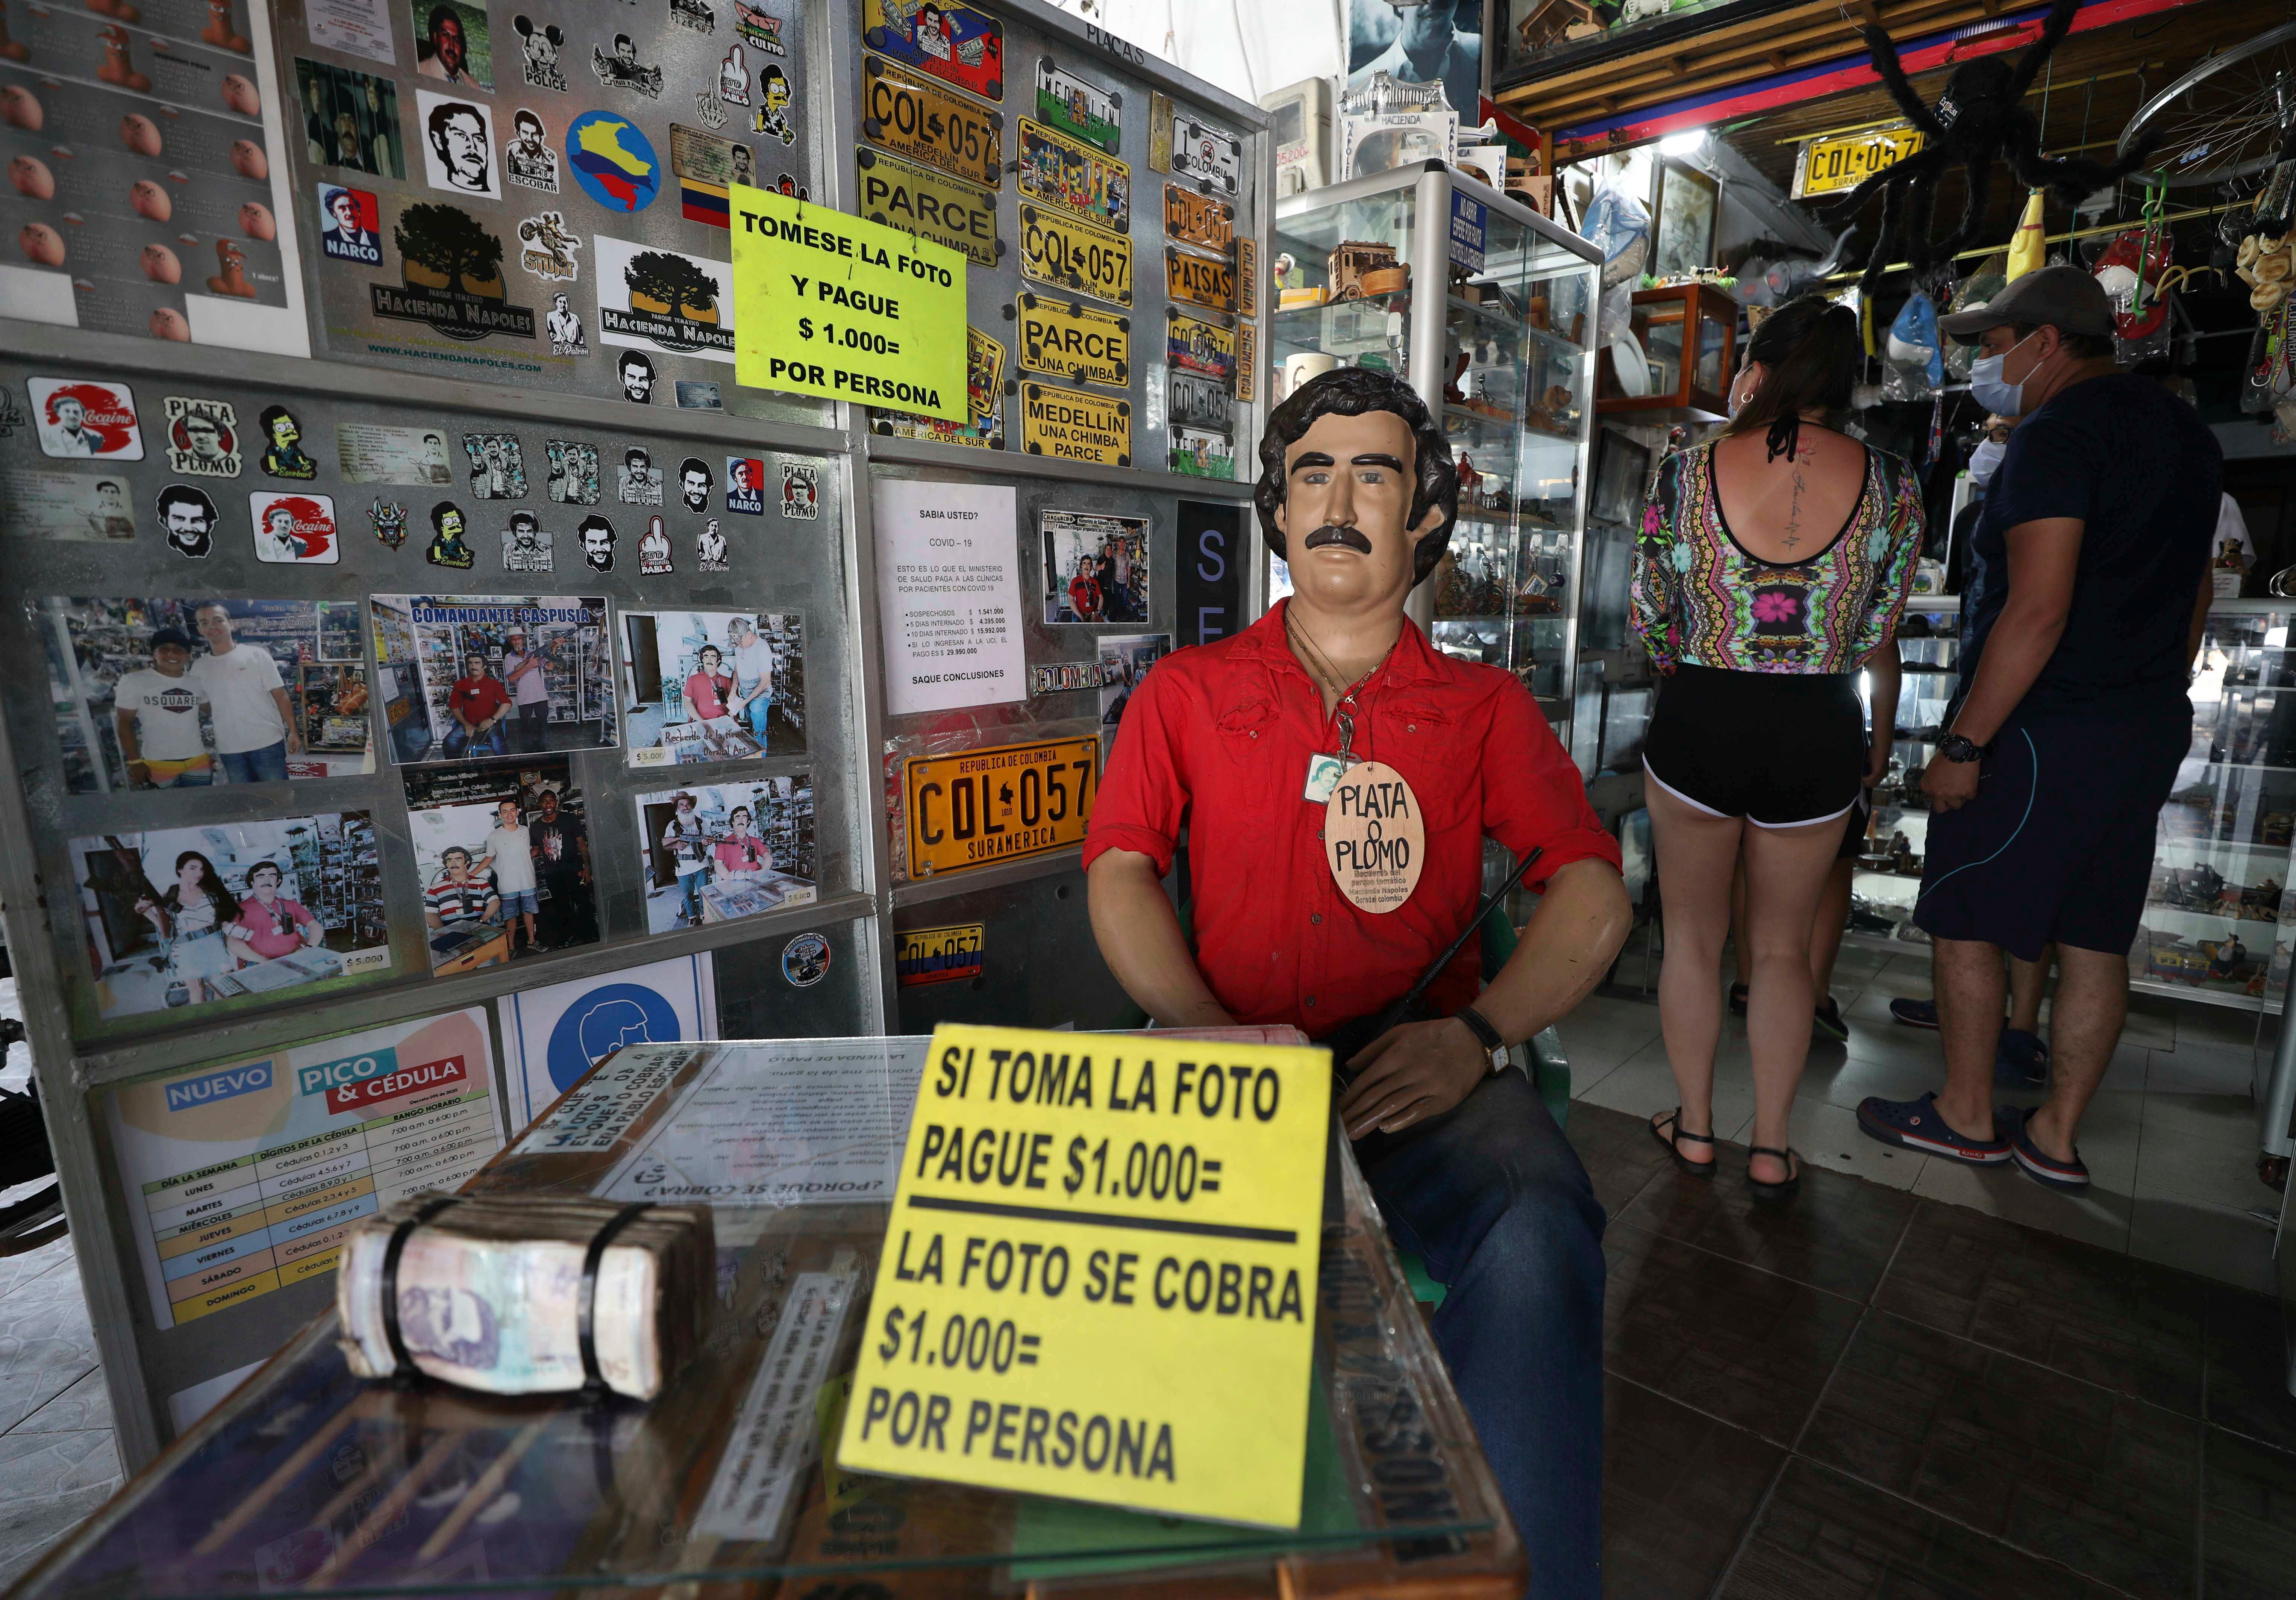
<point x="2223" y="121"/>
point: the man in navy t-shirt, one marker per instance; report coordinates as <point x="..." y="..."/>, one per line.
<point x="2065" y="738"/>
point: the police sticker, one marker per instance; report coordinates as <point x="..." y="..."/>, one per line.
<point x="805" y="960"/>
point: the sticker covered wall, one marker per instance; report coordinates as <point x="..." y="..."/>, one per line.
<point x="525" y="195"/>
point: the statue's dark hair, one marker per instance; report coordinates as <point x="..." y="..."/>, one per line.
<point x="1351" y="392"/>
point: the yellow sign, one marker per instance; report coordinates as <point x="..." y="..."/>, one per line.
<point x="902" y="196"/>
<point x="1099" y="1280"/>
<point x="938" y="955"/>
<point x="1831" y="166"/>
<point x="1075" y="426"/>
<point x="1067" y="254"/>
<point x="845" y="308"/>
<point x="1199" y="280"/>
<point x="978" y="807"/>
<point x="1064" y="339"/>
<point x="911" y="119"/>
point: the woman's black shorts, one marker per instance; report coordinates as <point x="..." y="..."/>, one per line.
<point x="1780" y="749"/>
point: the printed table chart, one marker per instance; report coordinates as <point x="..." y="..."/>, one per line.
<point x="228" y="1233"/>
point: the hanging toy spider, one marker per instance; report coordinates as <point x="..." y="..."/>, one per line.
<point x="1979" y="120"/>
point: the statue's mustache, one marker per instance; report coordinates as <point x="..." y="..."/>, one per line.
<point x="1335" y="532"/>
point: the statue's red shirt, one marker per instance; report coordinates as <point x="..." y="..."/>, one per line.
<point x="1217" y="739"/>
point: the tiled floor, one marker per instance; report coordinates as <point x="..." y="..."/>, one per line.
<point x="1887" y="1389"/>
<point x="2171" y="1140"/>
<point x="1872" y="1393"/>
<point x="57" y="1460"/>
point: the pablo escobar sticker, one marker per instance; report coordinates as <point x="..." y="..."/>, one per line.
<point x="202" y="437"/>
<point x="653" y="549"/>
<point x="800" y="491"/>
<point x="298" y="529"/>
<point x="638" y="481"/>
<point x="710" y="548"/>
<point x="563" y="323"/>
<point x="527" y="161"/>
<point x="573" y="473"/>
<point x="497" y="466"/>
<point x="526" y="545"/>
<point x="745" y="479"/>
<point x="350" y="225"/>
<point x="189" y="519"/>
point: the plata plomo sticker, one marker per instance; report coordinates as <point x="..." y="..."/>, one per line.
<point x="1066" y="339"/>
<point x="1075" y="426"/>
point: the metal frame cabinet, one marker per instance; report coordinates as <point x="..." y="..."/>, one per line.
<point x="1509" y="593"/>
<point x="825" y="568"/>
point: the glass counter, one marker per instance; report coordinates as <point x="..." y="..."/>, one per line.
<point x="1501" y="356"/>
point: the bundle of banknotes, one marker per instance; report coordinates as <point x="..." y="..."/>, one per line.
<point x="489" y="1293"/>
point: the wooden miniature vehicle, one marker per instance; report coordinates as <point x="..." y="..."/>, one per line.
<point x="1355" y="259"/>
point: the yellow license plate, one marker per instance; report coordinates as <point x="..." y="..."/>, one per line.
<point x="978" y="807"/>
<point x="1192" y="218"/>
<point x="1831" y="166"/>
<point x="1247" y="277"/>
<point x="1075" y="426"/>
<point x="926" y="204"/>
<point x="1199" y="280"/>
<point x="938" y="955"/>
<point x="1247" y="360"/>
<point x="1192" y="344"/>
<point x="1062" y="339"/>
<point x="1063" y="253"/>
<point x="914" y="120"/>
<point x="1073" y="176"/>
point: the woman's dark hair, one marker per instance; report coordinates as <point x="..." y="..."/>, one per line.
<point x="1351" y="392"/>
<point x="225" y="903"/>
<point x="1811" y="349"/>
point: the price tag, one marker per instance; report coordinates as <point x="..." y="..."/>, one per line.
<point x="1375" y="836"/>
<point x="1099" y="1278"/>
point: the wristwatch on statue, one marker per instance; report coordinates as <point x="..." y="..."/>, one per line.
<point x="1485" y="1034"/>
<point x="1956" y="747"/>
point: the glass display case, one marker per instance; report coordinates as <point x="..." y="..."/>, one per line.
<point x="2219" y="897"/>
<point x="1486" y="307"/>
<point x="1674" y="363"/>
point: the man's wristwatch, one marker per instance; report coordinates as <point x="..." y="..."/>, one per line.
<point x="1957" y="746"/>
<point x="1485" y="1035"/>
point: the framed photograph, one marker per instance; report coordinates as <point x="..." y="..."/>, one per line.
<point x="181" y="917"/>
<point x="503" y="852"/>
<point x="477" y="676"/>
<point x="1687" y="200"/>
<point x="718" y="852"/>
<point x="712" y="685"/>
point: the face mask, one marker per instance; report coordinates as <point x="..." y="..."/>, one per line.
<point x="1739" y="395"/>
<point x="1991" y="391"/>
<point x="1985" y="461"/>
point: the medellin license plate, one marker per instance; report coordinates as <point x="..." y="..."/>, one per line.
<point x="1075" y="426"/>
<point x="1063" y="253"/>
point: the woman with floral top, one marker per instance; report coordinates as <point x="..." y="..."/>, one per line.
<point x="1773" y="563"/>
